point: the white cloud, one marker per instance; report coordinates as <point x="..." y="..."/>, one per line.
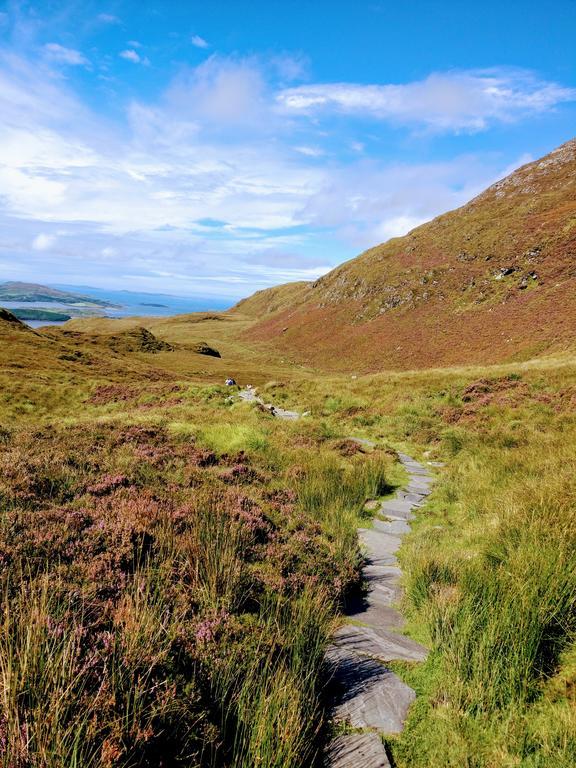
<point x="131" y="55"/>
<point x="208" y="188"/>
<point x="199" y="42"/>
<point x="221" y="91"/>
<point x="62" y="55"/>
<point x="310" y="151"/>
<point x="290" y="67"/>
<point x="43" y="242"/>
<point x="451" y="101"/>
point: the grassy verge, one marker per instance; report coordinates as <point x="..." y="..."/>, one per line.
<point x="491" y="563"/>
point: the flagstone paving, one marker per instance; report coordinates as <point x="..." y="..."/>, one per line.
<point x="367" y="696"/>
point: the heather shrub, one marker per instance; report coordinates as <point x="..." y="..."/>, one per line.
<point x="170" y="593"/>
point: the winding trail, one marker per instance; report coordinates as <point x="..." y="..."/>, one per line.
<point x="369" y="700"/>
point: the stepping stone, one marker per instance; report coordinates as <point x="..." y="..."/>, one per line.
<point x="398" y="505"/>
<point x="416" y="498"/>
<point x="404" y="516"/>
<point x="383" y="583"/>
<point x="369" y="695"/>
<point x="378" y="644"/>
<point x="356" y="750"/>
<point x="420" y="485"/>
<point x="378" y="615"/>
<point x="379" y="545"/>
<point x="396" y="527"/>
<point x="282" y="414"/>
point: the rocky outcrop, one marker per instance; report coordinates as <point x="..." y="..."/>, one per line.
<point x="137" y="340"/>
<point x="204" y="349"/>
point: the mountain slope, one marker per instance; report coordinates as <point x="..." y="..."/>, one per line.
<point x="491" y="281"/>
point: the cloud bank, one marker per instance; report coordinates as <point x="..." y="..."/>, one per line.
<point x="226" y="181"/>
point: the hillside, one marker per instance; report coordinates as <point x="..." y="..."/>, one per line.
<point x="489" y="282"/>
<point x="31" y="292"/>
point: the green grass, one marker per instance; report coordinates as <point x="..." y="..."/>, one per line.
<point x="490" y="568"/>
<point x="171" y="564"/>
<point x="233" y="438"/>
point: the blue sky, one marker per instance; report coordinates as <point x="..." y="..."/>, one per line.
<point x="216" y="148"/>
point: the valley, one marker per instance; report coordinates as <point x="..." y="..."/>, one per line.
<point x="176" y="560"/>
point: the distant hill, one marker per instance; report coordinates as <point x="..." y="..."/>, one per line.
<point x="491" y="281"/>
<point x="30" y="292"/>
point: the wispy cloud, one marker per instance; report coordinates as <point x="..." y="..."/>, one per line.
<point x="221" y="91"/>
<point x="131" y="55"/>
<point x="451" y="101"/>
<point x="58" y="53"/>
<point x="199" y="42"/>
<point x="310" y="151"/>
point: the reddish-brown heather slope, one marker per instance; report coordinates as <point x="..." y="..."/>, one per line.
<point x="492" y="281"/>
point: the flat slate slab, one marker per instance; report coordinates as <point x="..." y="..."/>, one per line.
<point x="397" y="527"/>
<point x="378" y="615"/>
<point x="413" y="498"/>
<point x="379" y="543"/>
<point x="399" y="505"/>
<point x="421" y="486"/>
<point x="378" y="644"/>
<point x="357" y="750"/>
<point x="368" y="694"/>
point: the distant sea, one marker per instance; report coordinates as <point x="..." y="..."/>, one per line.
<point x="129" y="303"/>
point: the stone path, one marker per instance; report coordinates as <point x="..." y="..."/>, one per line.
<point x="368" y="696"/>
<point x="250" y="396"/>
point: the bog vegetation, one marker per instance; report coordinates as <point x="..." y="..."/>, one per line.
<point x="172" y="563"/>
<point x="169" y="580"/>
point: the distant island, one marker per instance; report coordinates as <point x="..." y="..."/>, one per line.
<point x="30" y="292"/>
<point x="41" y="314"/>
<point x="151" y="304"/>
